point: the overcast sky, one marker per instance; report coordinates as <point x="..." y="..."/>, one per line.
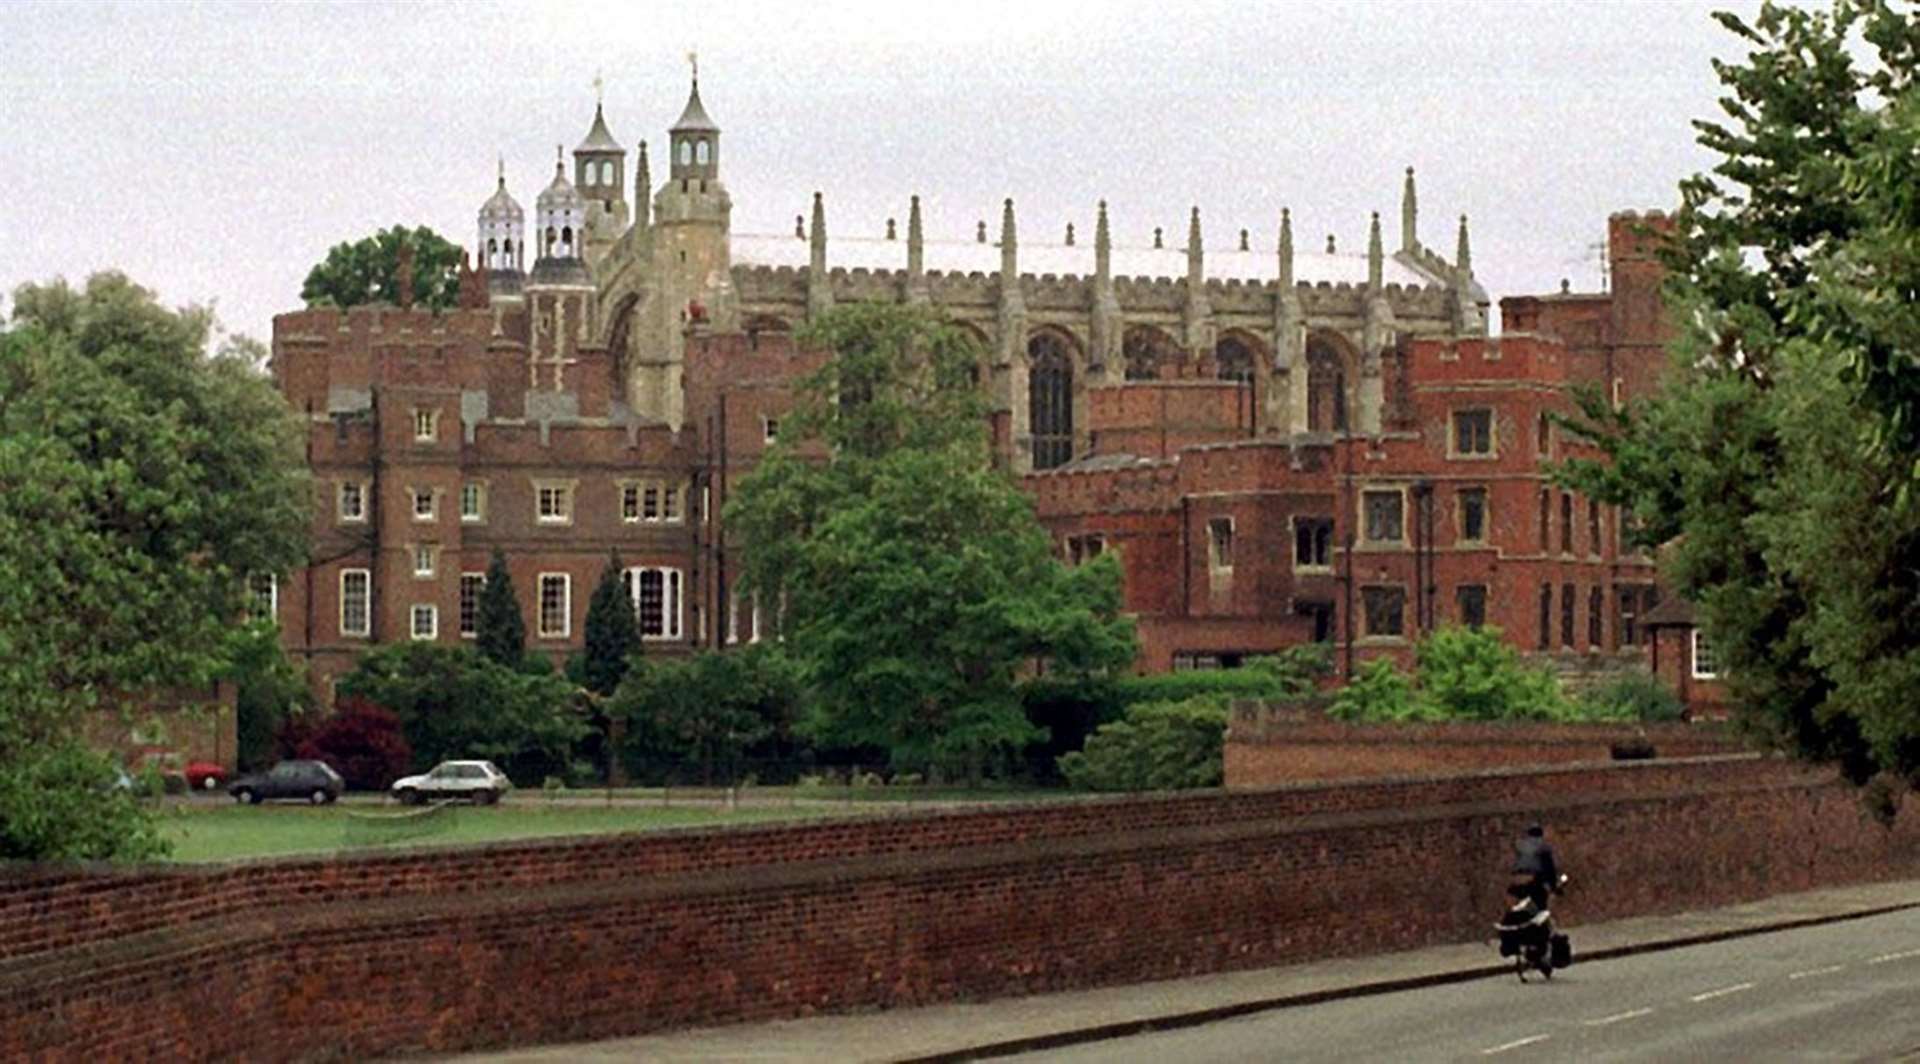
<point x="215" y="151"/>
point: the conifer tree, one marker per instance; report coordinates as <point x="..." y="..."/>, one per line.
<point x="613" y="634"/>
<point x="500" y="631"/>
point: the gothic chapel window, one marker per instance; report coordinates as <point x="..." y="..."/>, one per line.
<point x="1050" y="400"/>
<point x="1233" y="360"/>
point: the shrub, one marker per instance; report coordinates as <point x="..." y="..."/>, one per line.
<point x="1381" y="692"/>
<point x="1634" y="696"/>
<point x="1475" y="674"/>
<point x="1156" y="746"/>
<point x="362" y="741"/>
<point x="454" y="703"/>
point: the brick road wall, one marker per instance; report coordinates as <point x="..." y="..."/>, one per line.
<point x="596" y="938"/>
<point x="1267" y="746"/>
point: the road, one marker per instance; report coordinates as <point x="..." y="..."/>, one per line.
<point x="1844" y="991"/>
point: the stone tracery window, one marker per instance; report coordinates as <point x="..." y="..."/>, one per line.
<point x="1145" y="349"/>
<point x="1233" y="359"/>
<point x="1050" y="400"/>
<point x="1326" y="388"/>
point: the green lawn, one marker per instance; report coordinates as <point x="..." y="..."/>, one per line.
<point x="203" y="831"/>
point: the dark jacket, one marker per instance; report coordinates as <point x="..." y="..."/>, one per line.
<point x="1534" y="855"/>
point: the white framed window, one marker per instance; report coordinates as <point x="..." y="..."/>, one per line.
<point x="630" y="503"/>
<point x="1384" y="611"/>
<point x="556" y="605"/>
<point x="426" y="425"/>
<point x="353" y="501"/>
<point x="471" y="584"/>
<point x="553" y="502"/>
<point x="425" y="557"/>
<point x="770" y="429"/>
<point x="356" y="594"/>
<point x="263" y="597"/>
<point x="425" y="621"/>
<point x="473" y="502"/>
<point x="423" y="504"/>
<point x="1383" y="512"/>
<point x="1705" y="666"/>
<point x="670" y="503"/>
<point x="650" y="502"/>
<point x="656" y="601"/>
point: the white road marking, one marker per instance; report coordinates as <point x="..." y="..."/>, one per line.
<point x="1516" y="1044"/>
<point x="1809" y="973"/>
<point x="1902" y="955"/>
<point x="1618" y="1016"/>
<point x="1722" y="992"/>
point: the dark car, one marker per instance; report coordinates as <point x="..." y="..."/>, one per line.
<point x="311" y="781"/>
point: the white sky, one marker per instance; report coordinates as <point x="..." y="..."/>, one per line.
<point x="215" y="151"/>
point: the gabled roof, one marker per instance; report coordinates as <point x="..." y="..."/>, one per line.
<point x="1673" y="612"/>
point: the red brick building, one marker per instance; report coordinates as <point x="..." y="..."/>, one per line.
<point x="1281" y="447"/>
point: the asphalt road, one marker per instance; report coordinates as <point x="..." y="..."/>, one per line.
<point x="1844" y="991"/>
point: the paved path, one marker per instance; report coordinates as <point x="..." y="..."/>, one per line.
<point x="1066" y="1026"/>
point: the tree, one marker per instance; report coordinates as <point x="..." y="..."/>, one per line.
<point x="367" y="270"/>
<point x="141" y="482"/>
<point x="1777" y="468"/>
<point x="269" y="689"/>
<point x="613" y="633"/>
<point x="915" y="582"/>
<point x="456" y="704"/>
<point x="709" y="710"/>
<point x="362" y="741"/>
<point x="500" y="633"/>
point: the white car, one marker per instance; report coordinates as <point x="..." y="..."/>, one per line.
<point x="476" y="781"/>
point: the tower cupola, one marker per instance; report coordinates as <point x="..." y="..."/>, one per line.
<point x="502" y="245"/>
<point x="600" y="164"/>
<point x="695" y="139"/>
<point x="559" y="213"/>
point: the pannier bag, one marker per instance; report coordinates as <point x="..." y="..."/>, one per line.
<point x="1560" y="952"/>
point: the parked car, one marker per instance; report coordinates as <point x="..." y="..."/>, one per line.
<point x="312" y="781"/>
<point x="477" y="781"/>
<point x="205" y="775"/>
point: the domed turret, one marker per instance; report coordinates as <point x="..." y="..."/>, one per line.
<point x="560" y="215"/>
<point x="502" y="247"/>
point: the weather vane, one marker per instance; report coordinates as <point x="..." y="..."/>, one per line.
<point x="693" y="60"/>
<point x="599" y="84"/>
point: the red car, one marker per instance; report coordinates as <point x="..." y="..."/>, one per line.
<point x="205" y="775"/>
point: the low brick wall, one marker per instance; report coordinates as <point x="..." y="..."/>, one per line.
<point x="443" y="950"/>
<point x="1268" y="746"/>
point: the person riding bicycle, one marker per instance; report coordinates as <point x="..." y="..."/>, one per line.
<point x="1534" y="870"/>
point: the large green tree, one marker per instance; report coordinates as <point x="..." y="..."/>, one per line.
<point x="612" y="631"/>
<point x="141" y="482"/>
<point x="500" y="633"/>
<point x="705" y="714"/>
<point x="1777" y="468"/>
<point x="367" y="270"/>
<point x="913" y="582"/>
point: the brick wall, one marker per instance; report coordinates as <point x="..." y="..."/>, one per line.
<point x="601" y="937"/>
<point x="1269" y="746"/>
